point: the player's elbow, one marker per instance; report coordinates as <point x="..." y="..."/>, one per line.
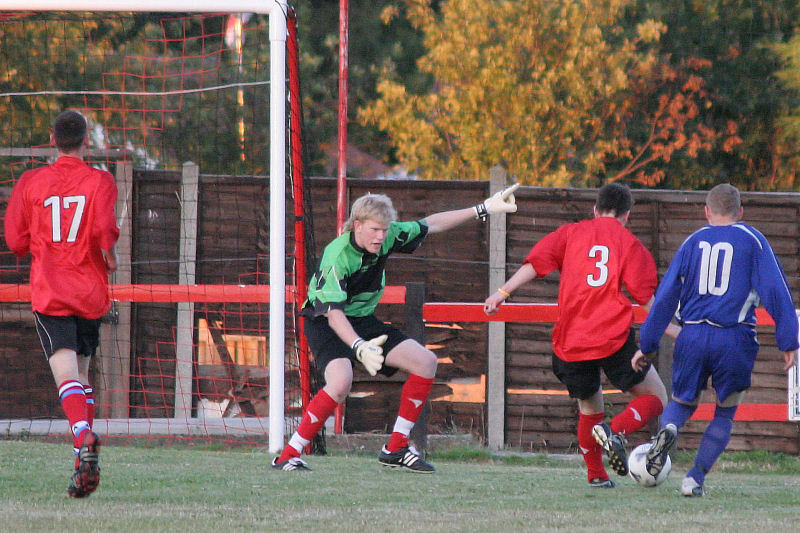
<point x="20" y="247"/>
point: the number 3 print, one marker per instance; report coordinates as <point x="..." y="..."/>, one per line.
<point x="602" y="275"/>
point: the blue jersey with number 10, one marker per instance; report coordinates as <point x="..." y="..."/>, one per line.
<point x="718" y="276"/>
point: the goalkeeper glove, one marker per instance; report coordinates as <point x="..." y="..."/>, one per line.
<point x="370" y="353"/>
<point x="500" y="202"/>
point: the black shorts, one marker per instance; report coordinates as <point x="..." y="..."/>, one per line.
<point x="82" y="335"/>
<point x="326" y="345"/>
<point x="582" y="378"/>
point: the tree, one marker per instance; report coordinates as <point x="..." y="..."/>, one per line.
<point x="49" y="60"/>
<point x="548" y="88"/>
<point x="663" y="120"/>
<point x="375" y="50"/>
<point x="789" y="124"/>
<point x="736" y="38"/>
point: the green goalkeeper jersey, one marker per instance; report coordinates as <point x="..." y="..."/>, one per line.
<point x="351" y="278"/>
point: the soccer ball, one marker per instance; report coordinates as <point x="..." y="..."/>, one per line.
<point x="637" y="466"/>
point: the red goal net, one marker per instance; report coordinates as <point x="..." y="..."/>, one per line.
<point x="178" y="111"/>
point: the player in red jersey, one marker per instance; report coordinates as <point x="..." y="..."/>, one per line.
<point x="596" y="258"/>
<point x="63" y="215"/>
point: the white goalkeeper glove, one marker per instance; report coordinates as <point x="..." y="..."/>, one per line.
<point x="370" y="353"/>
<point x="500" y="202"/>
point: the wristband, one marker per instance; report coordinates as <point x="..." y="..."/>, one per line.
<point x="356" y="343"/>
<point x="480" y="211"/>
<point x="504" y="293"/>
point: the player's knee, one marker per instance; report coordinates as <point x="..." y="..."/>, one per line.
<point x="338" y="389"/>
<point x="425" y="364"/>
<point x="431" y="362"/>
<point x="338" y="379"/>
<point x="732" y="400"/>
<point x="662" y="397"/>
<point x="725" y="412"/>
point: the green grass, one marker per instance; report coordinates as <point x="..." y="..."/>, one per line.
<point x="171" y="489"/>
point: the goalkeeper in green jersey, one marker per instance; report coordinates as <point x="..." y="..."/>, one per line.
<point x="342" y="329"/>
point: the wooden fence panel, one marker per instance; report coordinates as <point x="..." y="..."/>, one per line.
<point x="454" y="268"/>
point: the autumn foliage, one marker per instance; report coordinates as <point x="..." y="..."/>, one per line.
<point x="559" y="92"/>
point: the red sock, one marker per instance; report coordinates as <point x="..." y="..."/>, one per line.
<point x="412" y="399"/>
<point x="73" y="401"/>
<point x="638" y="413"/>
<point x="89" y="391"/>
<point x="592" y="452"/>
<point x="319" y="409"/>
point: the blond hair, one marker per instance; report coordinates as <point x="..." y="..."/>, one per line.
<point x="724" y="199"/>
<point x="376" y="207"/>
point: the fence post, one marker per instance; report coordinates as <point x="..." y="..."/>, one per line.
<point x="496" y="371"/>
<point x="115" y="337"/>
<point x="184" y="332"/>
<point x="415" y="328"/>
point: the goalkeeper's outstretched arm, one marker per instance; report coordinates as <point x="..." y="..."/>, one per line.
<point x="501" y="202"/>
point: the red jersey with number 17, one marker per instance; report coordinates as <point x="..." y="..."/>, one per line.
<point x="63" y="214"/>
<point x="596" y="259"/>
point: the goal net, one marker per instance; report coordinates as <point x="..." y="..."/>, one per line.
<point x="201" y="342"/>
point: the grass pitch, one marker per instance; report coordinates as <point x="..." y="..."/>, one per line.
<point x="170" y="489"/>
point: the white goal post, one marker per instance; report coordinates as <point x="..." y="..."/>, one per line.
<point x="794" y="393"/>
<point x="793" y="386"/>
<point x="276" y="9"/>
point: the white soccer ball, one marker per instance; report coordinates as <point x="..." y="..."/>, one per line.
<point x="637" y="466"/>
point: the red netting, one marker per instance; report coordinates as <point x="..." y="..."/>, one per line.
<point x="181" y="363"/>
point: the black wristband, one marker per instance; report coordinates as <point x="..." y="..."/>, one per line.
<point x="481" y="211"/>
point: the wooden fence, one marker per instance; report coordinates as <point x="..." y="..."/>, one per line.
<point x="535" y="412"/>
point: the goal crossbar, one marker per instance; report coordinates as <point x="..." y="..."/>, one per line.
<point x="173" y="6"/>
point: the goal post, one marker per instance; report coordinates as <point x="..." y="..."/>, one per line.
<point x="793" y="387"/>
<point x="277" y="12"/>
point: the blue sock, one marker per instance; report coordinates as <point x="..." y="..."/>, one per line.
<point x="676" y="413"/>
<point x="715" y="439"/>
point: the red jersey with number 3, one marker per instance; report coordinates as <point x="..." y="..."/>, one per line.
<point x="63" y="214"/>
<point x="596" y="259"/>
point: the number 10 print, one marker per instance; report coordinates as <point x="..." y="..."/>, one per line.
<point x="709" y="264"/>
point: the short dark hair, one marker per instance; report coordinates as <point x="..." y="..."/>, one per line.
<point x="69" y="130"/>
<point x="724" y="199"/>
<point x="614" y="198"/>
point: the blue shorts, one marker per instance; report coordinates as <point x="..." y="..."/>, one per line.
<point x="702" y="351"/>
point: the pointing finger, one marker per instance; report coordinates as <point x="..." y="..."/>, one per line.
<point x="509" y="191"/>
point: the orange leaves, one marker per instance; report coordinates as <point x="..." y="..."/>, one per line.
<point x="668" y="99"/>
<point x="556" y="89"/>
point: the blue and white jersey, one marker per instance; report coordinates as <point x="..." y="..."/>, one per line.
<point x="718" y="276"/>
